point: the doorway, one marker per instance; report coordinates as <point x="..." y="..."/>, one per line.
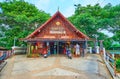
<point x="57" y="47"/>
<point x="53" y="48"/>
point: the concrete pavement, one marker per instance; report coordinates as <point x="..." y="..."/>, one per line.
<point x="55" y="67"/>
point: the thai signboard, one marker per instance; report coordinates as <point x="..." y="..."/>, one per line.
<point x="57" y="30"/>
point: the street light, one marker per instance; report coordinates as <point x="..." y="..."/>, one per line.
<point x="15" y="38"/>
<point x="101" y="44"/>
<point x="96" y="43"/>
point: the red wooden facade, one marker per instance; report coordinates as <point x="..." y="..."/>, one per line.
<point x="57" y="28"/>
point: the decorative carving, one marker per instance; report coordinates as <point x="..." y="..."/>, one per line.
<point x="57" y="23"/>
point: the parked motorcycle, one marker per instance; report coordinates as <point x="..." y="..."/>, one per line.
<point x="69" y="55"/>
<point x="45" y="55"/>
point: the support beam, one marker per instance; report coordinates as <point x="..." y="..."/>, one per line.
<point x="57" y="47"/>
<point x="28" y="48"/>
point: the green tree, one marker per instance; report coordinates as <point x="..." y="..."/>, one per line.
<point x="86" y="19"/>
<point x="19" y="18"/>
<point x="116" y="36"/>
<point x="93" y="19"/>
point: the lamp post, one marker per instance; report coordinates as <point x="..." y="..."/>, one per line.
<point x="13" y="48"/>
<point x="96" y="44"/>
<point x="15" y="41"/>
<point x="101" y="45"/>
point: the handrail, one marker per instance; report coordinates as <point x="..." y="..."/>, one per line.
<point x="111" y="61"/>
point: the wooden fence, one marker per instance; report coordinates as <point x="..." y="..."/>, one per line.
<point x="110" y="63"/>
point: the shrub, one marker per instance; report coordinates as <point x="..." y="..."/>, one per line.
<point x="118" y="64"/>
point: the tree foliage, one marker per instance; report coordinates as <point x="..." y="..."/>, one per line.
<point x="17" y="20"/>
<point x="91" y="20"/>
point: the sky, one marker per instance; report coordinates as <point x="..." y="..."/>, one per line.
<point x="66" y="7"/>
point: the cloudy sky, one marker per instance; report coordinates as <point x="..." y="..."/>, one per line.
<point x="67" y="6"/>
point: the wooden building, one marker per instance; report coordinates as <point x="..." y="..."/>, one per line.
<point x="54" y="35"/>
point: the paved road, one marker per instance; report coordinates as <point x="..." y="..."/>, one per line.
<point x="55" y="67"/>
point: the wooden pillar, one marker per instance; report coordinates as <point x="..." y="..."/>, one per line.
<point x="114" y="67"/>
<point x="57" y="47"/>
<point x="85" y="46"/>
<point x="32" y="47"/>
<point x="28" y="49"/>
<point x="101" y="47"/>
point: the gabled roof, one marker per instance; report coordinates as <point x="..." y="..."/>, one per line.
<point x="65" y="20"/>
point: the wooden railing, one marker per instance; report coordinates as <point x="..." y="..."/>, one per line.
<point x="4" y="55"/>
<point x="110" y="62"/>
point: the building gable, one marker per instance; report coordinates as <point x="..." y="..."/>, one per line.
<point x="57" y="28"/>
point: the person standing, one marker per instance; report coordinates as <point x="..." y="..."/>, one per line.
<point x="77" y="49"/>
